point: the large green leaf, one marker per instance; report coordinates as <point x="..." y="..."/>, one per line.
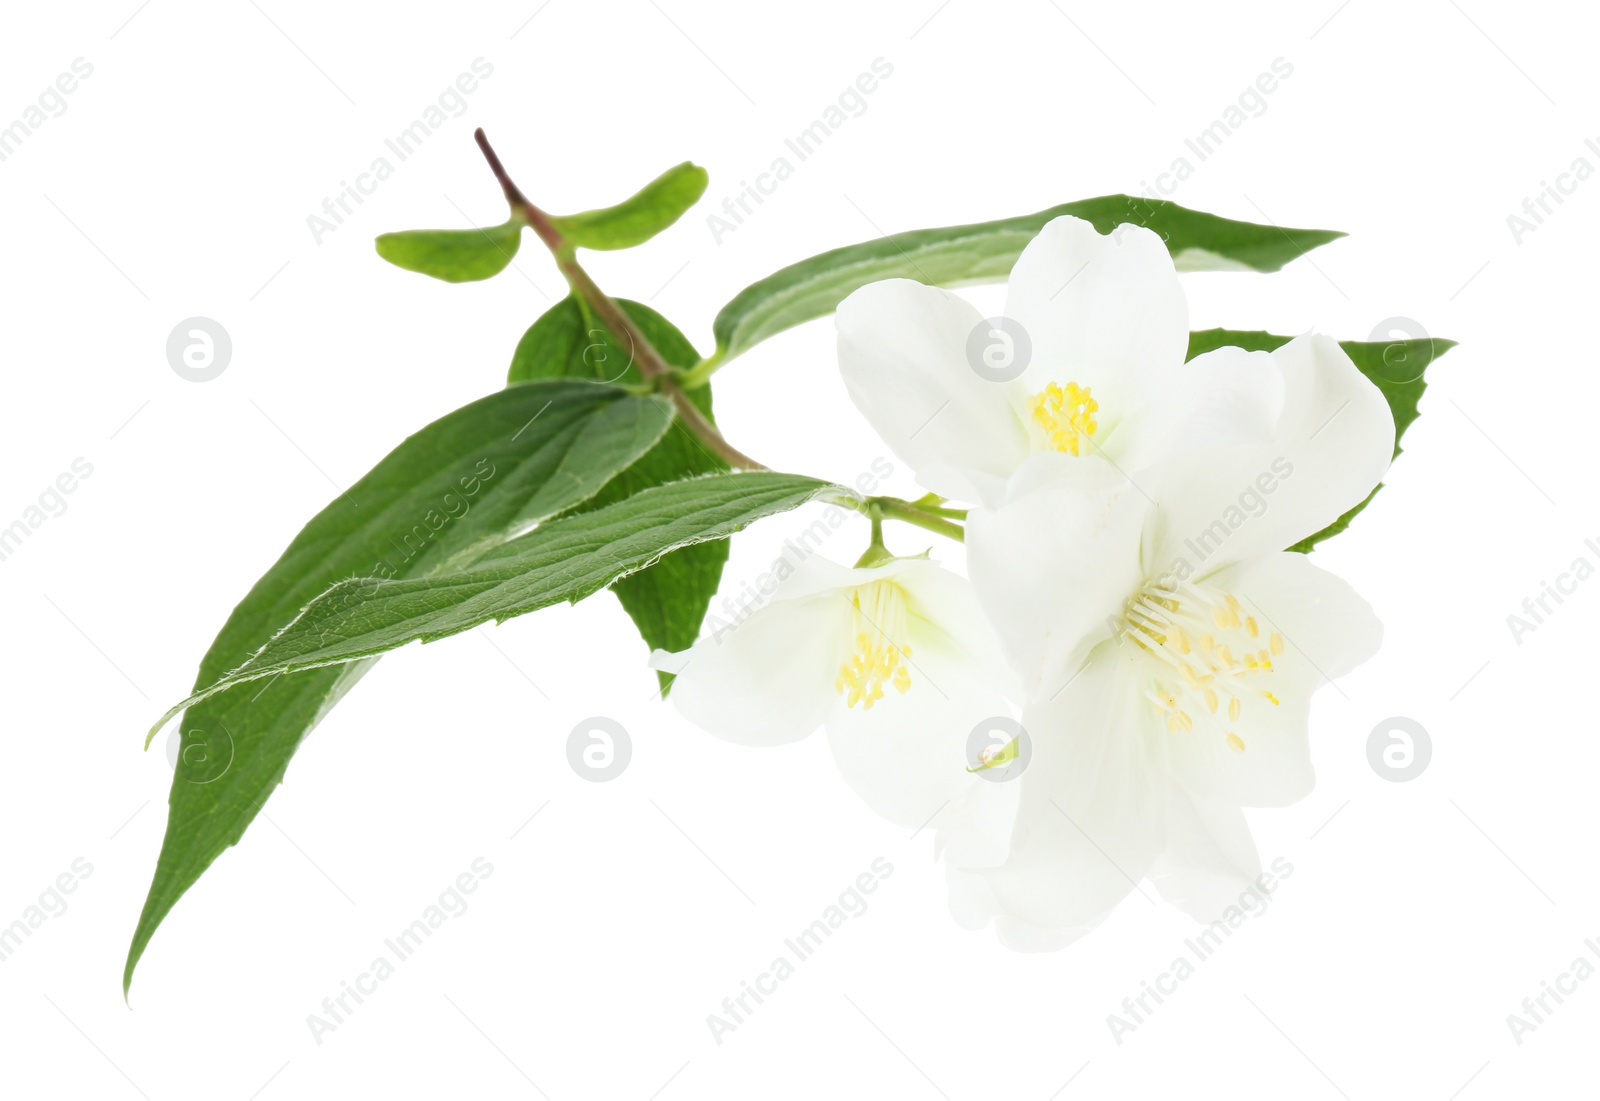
<point x="455" y="489"/>
<point x="667" y="601"/>
<point x="567" y="559"/>
<point x="1395" y="366"/>
<point x="640" y="217"/>
<point x="984" y="253"/>
<point x="454" y="255"/>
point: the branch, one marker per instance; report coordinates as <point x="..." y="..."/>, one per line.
<point x="652" y="367"/>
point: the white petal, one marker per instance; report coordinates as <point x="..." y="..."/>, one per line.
<point x="974" y="831"/>
<point x="1222" y="399"/>
<point x="903" y="354"/>
<point x="1105" y="312"/>
<point x="767" y="680"/>
<point x="1092" y="817"/>
<point x="1328" y="630"/>
<point x="944" y="612"/>
<point x="1333" y="443"/>
<point x="1058" y="558"/>
<point x="1210" y="859"/>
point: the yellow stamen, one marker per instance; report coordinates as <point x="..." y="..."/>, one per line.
<point x="1201" y="649"/>
<point x="1066" y="415"/>
<point x="878" y="619"/>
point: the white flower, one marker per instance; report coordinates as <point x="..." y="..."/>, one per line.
<point x="1169" y="643"/>
<point x="1098" y="326"/>
<point x="897" y="661"/>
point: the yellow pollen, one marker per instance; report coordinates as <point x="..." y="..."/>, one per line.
<point x="1235" y="742"/>
<point x="1276" y="642"/>
<point x="1250" y="626"/>
<point x="1066" y="415"/>
<point x="1212" y="702"/>
<point x="1234" y="707"/>
<point x="878" y="622"/>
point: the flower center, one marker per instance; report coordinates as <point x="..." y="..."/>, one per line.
<point x="878" y="628"/>
<point x="1064" y="415"/>
<point x="1209" y="656"/>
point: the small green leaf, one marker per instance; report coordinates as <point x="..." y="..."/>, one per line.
<point x="566" y="559"/>
<point x="984" y="253"/>
<point x="635" y="220"/>
<point x="1396" y="367"/>
<point x="454" y="255"/>
<point x="458" y="487"/>
<point x="667" y="601"/>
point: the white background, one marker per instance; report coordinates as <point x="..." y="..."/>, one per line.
<point x="178" y="183"/>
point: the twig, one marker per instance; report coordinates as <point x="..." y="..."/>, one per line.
<point x="652" y="367"/>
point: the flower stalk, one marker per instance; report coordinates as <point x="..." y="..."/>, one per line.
<point x="909" y="513"/>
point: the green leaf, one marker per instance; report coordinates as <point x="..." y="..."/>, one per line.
<point x="566" y="559"/>
<point x="667" y="601"/>
<point x="1396" y="367"/>
<point x="457" y="488"/>
<point x="454" y="255"/>
<point x="568" y="341"/>
<point x="635" y="220"/>
<point x="984" y="253"/>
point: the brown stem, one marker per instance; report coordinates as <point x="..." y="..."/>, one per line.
<point x="652" y="366"/>
<point x="513" y="196"/>
<point x="697" y="423"/>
